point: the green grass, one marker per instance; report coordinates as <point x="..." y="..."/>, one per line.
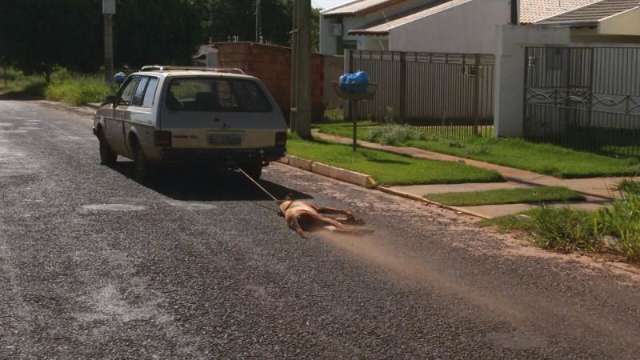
<point x="629" y="187"/>
<point x="615" y="228"/>
<point x="76" y="89"/>
<point x="17" y="84"/>
<point x="389" y="169"/>
<point x="539" y="194"/>
<point x="541" y="158"/>
<point x="71" y="88"/>
<point x="561" y="229"/>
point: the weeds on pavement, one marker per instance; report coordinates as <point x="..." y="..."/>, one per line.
<point x="615" y="228"/>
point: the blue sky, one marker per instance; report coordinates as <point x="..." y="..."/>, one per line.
<point x="326" y="3"/>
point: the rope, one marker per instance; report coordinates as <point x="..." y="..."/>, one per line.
<point x="259" y="186"/>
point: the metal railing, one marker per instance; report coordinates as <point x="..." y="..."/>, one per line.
<point x="446" y="94"/>
<point x="584" y="97"/>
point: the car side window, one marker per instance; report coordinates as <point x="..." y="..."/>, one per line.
<point x="150" y="94"/>
<point x="126" y="98"/>
<point x="139" y="94"/>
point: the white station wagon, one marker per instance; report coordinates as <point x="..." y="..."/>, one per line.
<point x="214" y="117"/>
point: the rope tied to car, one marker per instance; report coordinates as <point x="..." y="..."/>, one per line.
<point x="259" y="186"/>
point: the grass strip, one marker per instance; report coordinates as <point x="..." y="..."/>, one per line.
<point x="387" y="168"/>
<point x="540" y="194"/>
<point x="541" y="158"/>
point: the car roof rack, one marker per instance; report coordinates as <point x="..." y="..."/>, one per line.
<point x="192" y="68"/>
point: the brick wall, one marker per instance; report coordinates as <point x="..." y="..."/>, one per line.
<point x="272" y="64"/>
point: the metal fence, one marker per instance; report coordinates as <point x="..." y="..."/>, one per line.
<point x="584" y="97"/>
<point x="447" y="94"/>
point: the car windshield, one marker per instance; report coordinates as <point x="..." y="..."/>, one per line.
<point x="216" y="95"/>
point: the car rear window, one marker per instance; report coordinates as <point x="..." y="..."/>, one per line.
<point x="216" y="95"/>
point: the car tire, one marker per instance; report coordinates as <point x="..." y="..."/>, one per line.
<point x="141" y="166"/>
<point x="108" y="157"/>
<point x="254" y="170"/>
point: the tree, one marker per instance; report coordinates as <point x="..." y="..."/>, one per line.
<point x="223" y="19"/>
<point x="37" y="35"/>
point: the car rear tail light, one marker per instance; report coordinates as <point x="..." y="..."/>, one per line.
<point x="281" y="138"/>
<point x="162" y="138"/>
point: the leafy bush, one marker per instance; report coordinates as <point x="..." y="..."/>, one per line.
<point x="333" y="115"/>
<point x="622" y="221"/>
<point x="15" y="83"/>
<point x="10" y="74"/>
<point x="394" y="134"/>
<point x="629" y="187"/>
<point x="76" y="89"/>
<point x="566" y="229"/>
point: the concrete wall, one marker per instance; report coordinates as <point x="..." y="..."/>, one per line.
<point x="510" y="70"/>
<point x="373" y="43"/>
<point x="328" y="42"/>
<point x="467" y="28"/>
<point x="627" y="23"/>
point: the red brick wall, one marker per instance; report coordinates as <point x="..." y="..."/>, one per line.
<point x="272" y="64"/>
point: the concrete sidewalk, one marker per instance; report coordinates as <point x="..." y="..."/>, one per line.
<point x="602" y="187"/>
<point x="599" y="192"/>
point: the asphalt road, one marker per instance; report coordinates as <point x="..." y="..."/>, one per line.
<point x="96" y="266"/>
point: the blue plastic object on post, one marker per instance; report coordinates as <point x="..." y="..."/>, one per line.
<point x="356" y="83"/>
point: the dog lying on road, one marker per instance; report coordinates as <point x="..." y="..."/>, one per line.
<point x="303" y="217"/>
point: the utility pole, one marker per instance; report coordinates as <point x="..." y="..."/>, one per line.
<point x="301" y="63"/>
<point x="258" y="22"/>
<point x="108" y="10"/>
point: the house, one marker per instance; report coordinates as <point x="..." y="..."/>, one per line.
<point x="607" y="21"/>
<point x="502" y="29"/>
<point x="470" y="26"/>
<point x="336" y="22"/>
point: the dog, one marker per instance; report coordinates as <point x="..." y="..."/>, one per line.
<point x="303" y="217"/>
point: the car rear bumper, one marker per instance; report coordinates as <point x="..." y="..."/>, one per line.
<point x="226" y="157"/>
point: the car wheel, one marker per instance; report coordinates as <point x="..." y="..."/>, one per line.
<point x="107" y="156"/>
<point x="141" y="167"/>
<point x="254" y="170"/>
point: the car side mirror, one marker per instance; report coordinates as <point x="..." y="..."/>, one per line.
<point x="111" y="99"/>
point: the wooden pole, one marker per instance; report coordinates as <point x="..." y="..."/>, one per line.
<point x="108" y="48"/>
<point x="303" y="65"/>
<point x="258" y="22"/>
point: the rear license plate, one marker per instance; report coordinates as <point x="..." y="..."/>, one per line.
<point x="225" y="139"/>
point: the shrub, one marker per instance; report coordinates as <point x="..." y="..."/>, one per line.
<point x="17" y="84"/>
<point x="629" y="187"/>
<point x="76" y="89"/>
<point x="566" y="229"/>
<point x="622" y="221"/>
<point x="394" y="134"/>
<point x="333" y="115"/>
<point x="59" y="75"/>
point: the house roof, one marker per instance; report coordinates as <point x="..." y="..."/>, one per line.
<point x="360" y="7"/>
<point x="594" y="13"/>
<point x="383" y="28"/>
<point x="532" y="11"/>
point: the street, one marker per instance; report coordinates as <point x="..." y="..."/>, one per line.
<point x="96" y="266"/>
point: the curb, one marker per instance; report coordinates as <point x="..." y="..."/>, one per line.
<point x="333" y="172"/>
<point x="430" y="202"/>
<point x="363" y="180"/>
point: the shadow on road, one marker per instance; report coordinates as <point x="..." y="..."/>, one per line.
<point x="186" y="184"/>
